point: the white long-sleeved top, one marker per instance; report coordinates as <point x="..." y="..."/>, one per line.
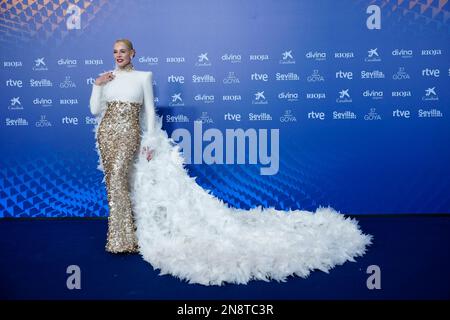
<point x="130" y="86"/>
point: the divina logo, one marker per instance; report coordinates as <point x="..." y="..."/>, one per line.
<point x="211" y="146"/>
<point x="67" y="62"/>
<point x="373" y="94"/>
<point x="318" y="56"/>
<point x="151" y="61"/>
<point x="291" y="97"/>
<point x="204" y="98"/>
<point x="43" y="102"/>
<point x="233" y="58"/>
<point x="402" y="53"/>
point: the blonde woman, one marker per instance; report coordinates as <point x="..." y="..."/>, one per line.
<point x="119" y="135"/>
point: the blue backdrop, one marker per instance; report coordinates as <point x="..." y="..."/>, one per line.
<point x="346" y="102"/>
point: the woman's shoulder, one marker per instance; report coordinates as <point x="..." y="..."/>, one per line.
<point x="144" y="73"/>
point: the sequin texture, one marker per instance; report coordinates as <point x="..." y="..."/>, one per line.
<point x="118" y="140"/>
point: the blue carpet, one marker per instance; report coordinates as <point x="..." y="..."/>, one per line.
<point x="411" y="251"/>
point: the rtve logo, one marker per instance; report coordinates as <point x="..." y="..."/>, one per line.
<point x="232" y="116"/>
<point x="175" y="79"/>
<point x="344" y="75"/>
<point x="259" y="77"/>
<point x="427" y="72"/>
<point x="14" y="83"/>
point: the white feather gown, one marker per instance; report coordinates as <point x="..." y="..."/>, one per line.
<point x="186" y="232"/>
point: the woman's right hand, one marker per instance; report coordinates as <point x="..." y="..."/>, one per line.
<point x="104" y="78"/>
<point x="147" y="152"/>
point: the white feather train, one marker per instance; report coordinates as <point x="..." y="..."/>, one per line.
<point x="187" y="232"/>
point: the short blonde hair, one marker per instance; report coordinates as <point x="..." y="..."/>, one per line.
<point x="128" y="44"/>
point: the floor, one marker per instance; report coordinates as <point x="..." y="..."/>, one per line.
<point x="411" y="251"/>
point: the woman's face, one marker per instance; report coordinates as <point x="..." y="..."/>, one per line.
<point x="122" y="55"/>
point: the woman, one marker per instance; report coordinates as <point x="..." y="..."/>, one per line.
<point x="118" y="137"/>
<point x="157" y="209"/>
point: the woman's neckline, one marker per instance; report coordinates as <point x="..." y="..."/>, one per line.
<point x="128" y="68"/>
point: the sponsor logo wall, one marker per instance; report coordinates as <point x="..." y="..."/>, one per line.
<point x="345" y="116"/>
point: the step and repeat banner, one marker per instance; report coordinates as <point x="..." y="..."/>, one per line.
<point x="291" y="104"/>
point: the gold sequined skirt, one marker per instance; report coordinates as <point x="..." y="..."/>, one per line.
<point x="118" y="139"/>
